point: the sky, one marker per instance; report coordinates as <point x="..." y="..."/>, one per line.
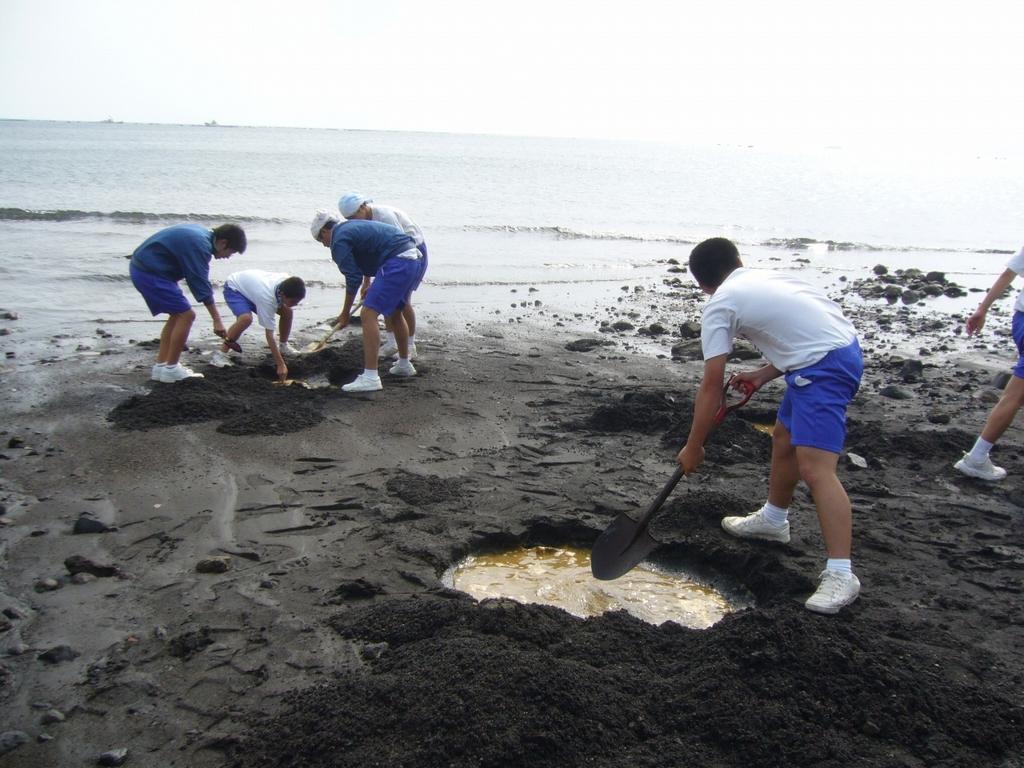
<point x="895" y="73"/>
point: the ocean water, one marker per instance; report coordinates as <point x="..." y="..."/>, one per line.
<point x="573" y="220"/>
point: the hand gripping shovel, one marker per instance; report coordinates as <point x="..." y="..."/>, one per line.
<point x="626" y="541"/>
<point x="316" y="346"/>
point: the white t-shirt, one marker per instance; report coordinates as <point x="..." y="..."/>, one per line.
<point x="1017" y="265"/>
<point x="396" y="218"/>
<point x="260" y="288"/>
<point x="792" y="323"/>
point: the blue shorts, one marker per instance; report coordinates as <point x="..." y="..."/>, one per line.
<point x="1018" y="337"/>
<point x="161" y="294"/>
<point x="393" y="283"/>
<point x="814" y="406"/>
<point x="422" y="247"/>
<point x="237" y="303"/>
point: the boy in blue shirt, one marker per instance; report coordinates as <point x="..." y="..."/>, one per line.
<point x="354" y="205"/>
<point x="182" y="251"/>
<point x="371" y="249"/>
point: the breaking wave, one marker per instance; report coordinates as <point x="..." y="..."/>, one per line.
<point x="23" y="214"/>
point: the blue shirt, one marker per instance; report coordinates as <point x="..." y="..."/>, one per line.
<point x="359" y="247"/>
<point x="181" y="251"/>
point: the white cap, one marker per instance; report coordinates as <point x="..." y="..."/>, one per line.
<point x="321" y="218"/>
<point x="350" y="202"/>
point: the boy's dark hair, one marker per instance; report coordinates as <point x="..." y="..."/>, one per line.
<point x="293" y="288"/>
<point x="234" y="234"/>
<point x="712" y="260"/>
<point x="329" y="225"/>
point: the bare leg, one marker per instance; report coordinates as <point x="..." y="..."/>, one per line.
<point x="174" y="336"/>
<point x="401" y="331"/>
<point x="1002" y="415"/>
<point x="242" y="322"/>
<point x="818" y="470"/>
<point x="284" y="325"/>
<point x="371" y="337"/>
<point x="410" y="317"/>
<point x="785" y="473"/>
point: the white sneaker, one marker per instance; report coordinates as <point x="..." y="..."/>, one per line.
<point x="754" y="526"/>
<point x="837" y="589"/>
<point x="402" y="368"/>
<point x="387" y="349"/>
<point x="287" y="349"/>
<point x="155" y="375"/>
<point x="364" y="383"/>
<point x="173" y="373"/>
<point x="219" y="360"/>
<point x="986" y="470"/>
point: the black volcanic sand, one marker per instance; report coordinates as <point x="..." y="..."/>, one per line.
<point x="331" y="639"/>
<point x="243" y="398"/>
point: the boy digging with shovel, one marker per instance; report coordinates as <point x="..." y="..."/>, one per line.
<point x="806" y="338"/>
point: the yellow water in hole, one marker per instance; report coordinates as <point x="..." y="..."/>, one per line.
<point x="766" y="428"/>
<point x="561" y="577"/>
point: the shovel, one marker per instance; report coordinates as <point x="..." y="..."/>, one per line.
<point x="625" y="542"/>
<point x="316" y="346"/>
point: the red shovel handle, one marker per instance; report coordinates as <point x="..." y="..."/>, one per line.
<point x="726" y="408"/>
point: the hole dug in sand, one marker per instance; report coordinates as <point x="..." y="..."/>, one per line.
<point x="560" y="576"/>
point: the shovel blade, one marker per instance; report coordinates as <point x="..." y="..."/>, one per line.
<point x="622" y="545"/>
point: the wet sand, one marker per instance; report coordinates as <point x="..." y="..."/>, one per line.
<point x="268" y="590"/>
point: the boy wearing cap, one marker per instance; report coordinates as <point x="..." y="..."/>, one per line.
<point x="364" y="249"/>
<point x="805" y="337"/>
<point x="267" y="294"/>
<point x="182" y="251"/>
<point x="354" y="205"/>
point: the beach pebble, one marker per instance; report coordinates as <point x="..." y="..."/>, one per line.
<point x="687" y="350"/>
<point x="52" y="716"/>
<point x="987" y="396"/>
<point x="894" y="392"/>
<point x="16" y="442"/>
<point x="78" y="564"/>
<point x="690" y="329"/>
<point x="938" y="418"/>
<point x="6" y="315"/>
<point x="910" y="297"/>
<point x="911" y="371"/>
<point x="1001" y="379"/>
<point x="11" y="740"/>
<point x="47" y="585"/>
<point x="82" y="578"/>
<point x="218" y="564"/>
<point x="113" y="757"/>
<point x="86" y="524"/>
<point x="58" y="653"/>
<point x="856" y="462"/>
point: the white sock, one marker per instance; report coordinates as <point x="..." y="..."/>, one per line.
<point x="839" y="564"/>
<point x="370" y="373"/>
<point x="160" y="365"/>
<point x="980" y="450"/>
<point x="774" y="515"/>
<point x="412" y="342"/>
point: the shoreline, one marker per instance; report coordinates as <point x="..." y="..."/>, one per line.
<point x="322" y="634"/>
